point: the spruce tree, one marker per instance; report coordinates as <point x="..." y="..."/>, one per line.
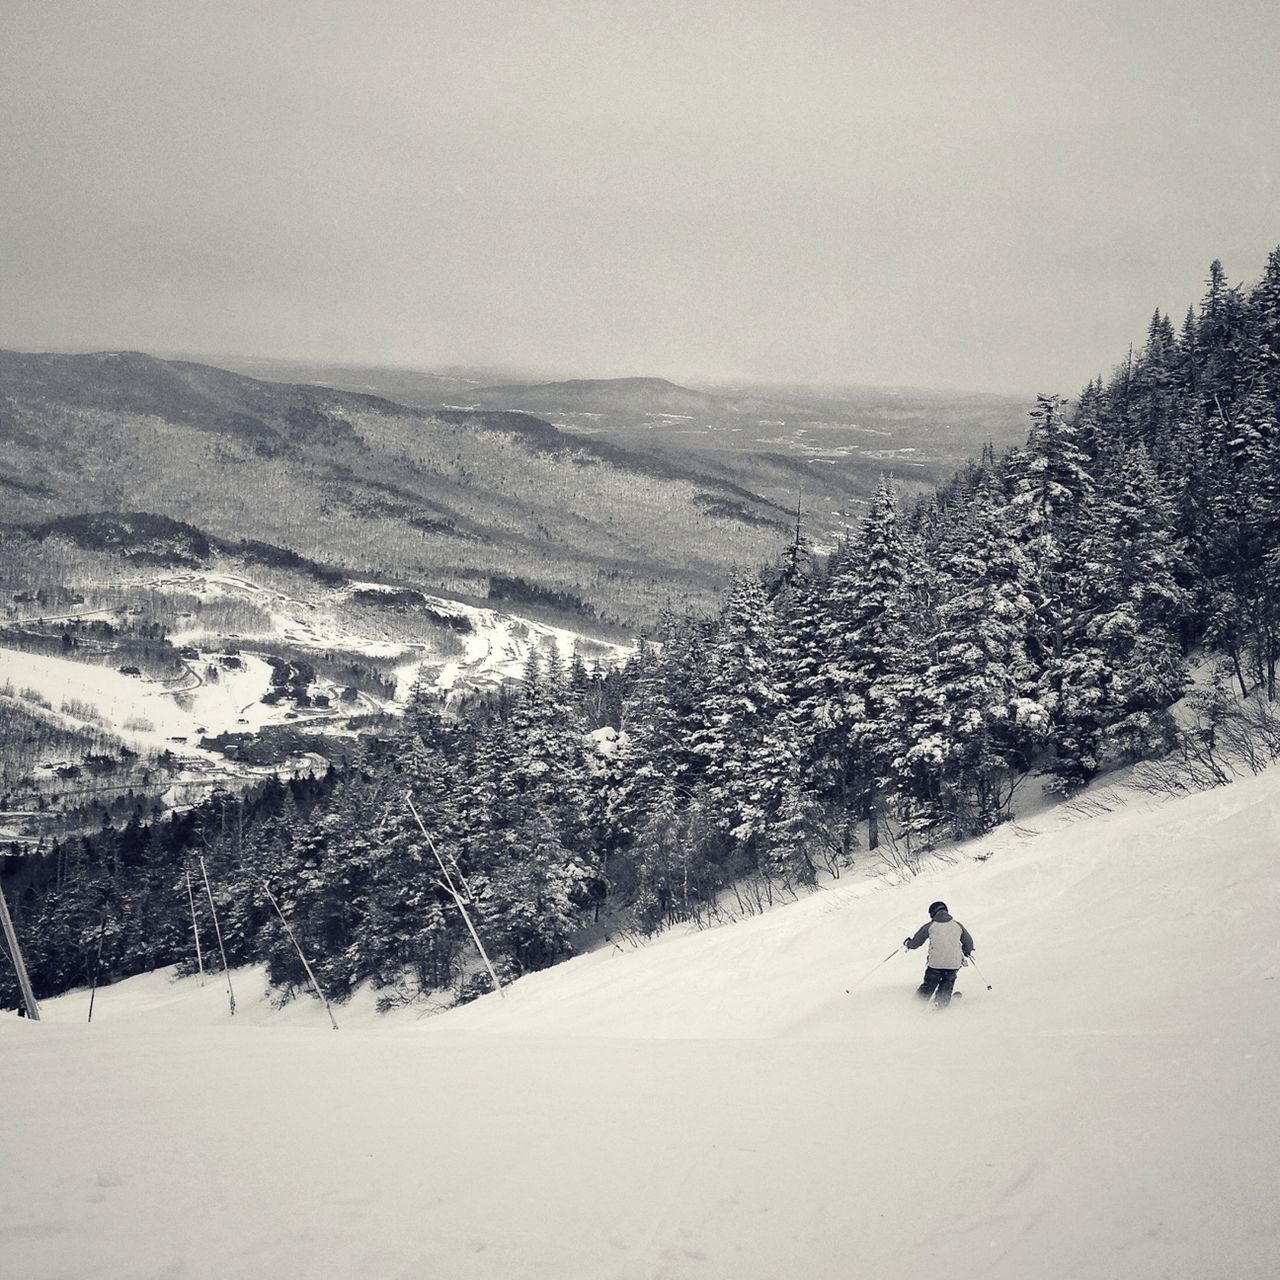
<point x="972" y="723"/>
<point x="848" y="695"/>
<point x="743" y="738"/>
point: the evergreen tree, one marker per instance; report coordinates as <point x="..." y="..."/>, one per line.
<point x="1121" y="663"/>
<point x="972" y="723"/>
<point x="661" y="864"/>
<point x="659" y="716"/>
<point x="1265" y="306"/>
<point x="744" y="739"/>
<point x="793" y="836"/>
<point x="847" y="694"/>
<point x="528" y="892"/>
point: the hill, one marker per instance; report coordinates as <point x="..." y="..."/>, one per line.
<point x="418" y="387"/>
<point x="715" y="1104"/>
<point x="830" y="444"/>
<point x="445" y="499"/>
<point x="612" y="396"/>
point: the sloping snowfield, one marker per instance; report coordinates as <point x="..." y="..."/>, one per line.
<point x="715" y="1104"/>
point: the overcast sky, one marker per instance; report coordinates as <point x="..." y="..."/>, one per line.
<point x="975" y="195"/>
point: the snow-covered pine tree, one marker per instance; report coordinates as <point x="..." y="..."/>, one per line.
<point x="659" y="715"/>
<point x="744" y="738"/>
<point x="1048" y="480"/>
<point x="971" y="721"/>
<point x="1244" y="565"/>
<point x="1120" y="665"/>
<point x="660" y="863"/>
<point x="1265" y="306"/>
<point x="528" y="893"/>
<point x="847" y="699"/>
<point x="550" y="747"/>
<point x="793" y="837"/>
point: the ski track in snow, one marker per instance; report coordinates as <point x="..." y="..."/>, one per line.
<point x="713" y="1104"/>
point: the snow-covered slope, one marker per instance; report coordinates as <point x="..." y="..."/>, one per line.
<point x="716" y="1105"/>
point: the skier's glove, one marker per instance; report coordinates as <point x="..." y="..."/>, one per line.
<point x="906" y="942"/>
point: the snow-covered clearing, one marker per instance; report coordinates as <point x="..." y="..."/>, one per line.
<point x="227" y="675"/>
<point x="147" y="712"/>
<point x="494" y="649"/>
<point x="715" y="1104"/>
<point x="498" y="647"/>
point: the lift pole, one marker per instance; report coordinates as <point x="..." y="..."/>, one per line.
<point x="24" y="983"/>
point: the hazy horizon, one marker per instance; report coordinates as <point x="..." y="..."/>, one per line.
<point x="500" y="375"/>
<point x="827" y="194"/>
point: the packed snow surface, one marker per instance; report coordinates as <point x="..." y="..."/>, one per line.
<point x="714" y="1104"/>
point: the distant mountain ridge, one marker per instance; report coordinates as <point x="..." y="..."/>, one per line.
<point x="270" y="413"/>
<point x="605" y="395"/>
<point x="443" y="498"/>
<point x="650" y="489"/>
<point x="830" y="443"/>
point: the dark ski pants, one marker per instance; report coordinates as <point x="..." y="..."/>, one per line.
<point x="939" y="982"/>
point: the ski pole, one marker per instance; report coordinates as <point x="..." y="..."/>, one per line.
<point x="865" y="976"/>
<point x="981" y="977"/>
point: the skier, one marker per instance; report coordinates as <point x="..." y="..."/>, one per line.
<point x="949" y="947"/>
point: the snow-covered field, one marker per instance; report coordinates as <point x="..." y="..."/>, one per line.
<point x="715" y="1104"/>
<point x="494" y="649"/>
<point x="219" y="694"/>
<point x="147" y="713"/>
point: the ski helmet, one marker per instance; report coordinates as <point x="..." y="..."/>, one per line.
<point x="935" y="907"/>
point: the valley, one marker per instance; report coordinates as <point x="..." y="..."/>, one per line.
<point x="210" y="575"/>
<point x="830" y="445"/>
<point x="208" y="679"/>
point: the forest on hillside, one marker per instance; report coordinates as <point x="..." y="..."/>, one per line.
<point x="1036" y="614"/>
<point x="169" y="462"/>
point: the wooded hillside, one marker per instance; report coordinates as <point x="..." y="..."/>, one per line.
<point x="441" y="500"/>
<point x="1036" y="614"/>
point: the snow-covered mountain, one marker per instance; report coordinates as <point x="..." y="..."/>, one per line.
<point x="759" y="1100"/>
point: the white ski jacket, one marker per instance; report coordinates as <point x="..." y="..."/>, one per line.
<point x="949" y="942"/>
